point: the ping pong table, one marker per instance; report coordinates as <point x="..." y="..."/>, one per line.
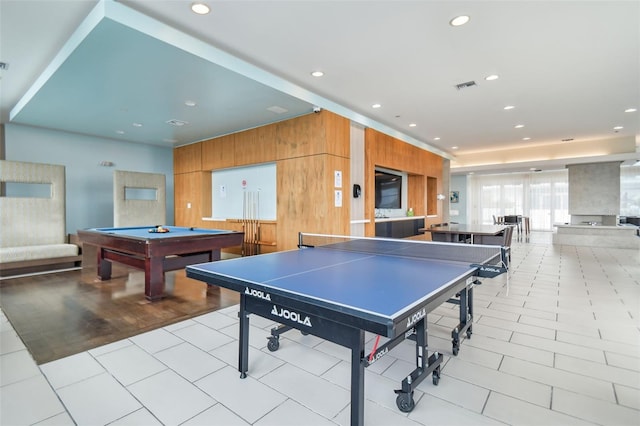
<point x="339" y="287"/>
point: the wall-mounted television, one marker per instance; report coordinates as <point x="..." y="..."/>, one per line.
<point x="388" y="190"/>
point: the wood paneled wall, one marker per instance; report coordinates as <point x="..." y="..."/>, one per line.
<point x="421" y="166"/>
<point x="306" y="149"/>
<point x="187" y="159"/>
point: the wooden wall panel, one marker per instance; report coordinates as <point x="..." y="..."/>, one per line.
<point x="206" y="194"/>
<point x="255" y="146"/>
<point x="385" y="151"/>
<point x="302" y="136"/>
<point x="416" y="193"/>
<point x="218" y="153"/>
<point x="306" y="198"/>
<point x="432" y="195"/>
<point x="187" y="158"/>
<point x="308" y="149"/>
<point x="302" y="204"/>
<point x="338" y="219"/>
<point x="338" y="131"/>
<point x="187" y="190"/>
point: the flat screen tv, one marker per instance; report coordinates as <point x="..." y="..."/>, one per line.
<point x="388" y="190"/>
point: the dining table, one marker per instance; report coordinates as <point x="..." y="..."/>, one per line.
<point x="462" y="232"/>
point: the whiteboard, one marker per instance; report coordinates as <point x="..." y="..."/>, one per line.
<point x="229" y="186"/>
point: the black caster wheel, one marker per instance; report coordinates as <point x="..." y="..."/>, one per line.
<point x="304" y="333"/>
<point x="435" y="376"/>
<point x="405" y="402"/>
<point x="273" y="344"/>
<point x="469" y="333"/>
<point x="456" y="349"/>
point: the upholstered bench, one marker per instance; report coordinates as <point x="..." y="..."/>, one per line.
<point x="33" y="232"/>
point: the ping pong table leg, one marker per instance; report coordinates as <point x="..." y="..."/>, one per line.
<point x="466" y="319"/>
<point x="243" y="338"/>
<point x="425" y="364"/>
<point x="470" y="311"/>
<point x="357" y="380"/>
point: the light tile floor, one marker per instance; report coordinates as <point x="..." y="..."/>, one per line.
<point x="560" y="345"/>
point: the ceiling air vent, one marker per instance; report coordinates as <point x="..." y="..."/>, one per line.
<point x="567" y="140"/>
<point x="277" y="109"/>
<point x="465" y="85"/>
<point x="177" y="123"/>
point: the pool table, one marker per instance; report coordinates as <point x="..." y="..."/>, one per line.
<point x="156" y="252"/>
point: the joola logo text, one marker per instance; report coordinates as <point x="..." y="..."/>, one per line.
<point x="416" y="317"/>
<point x="291" y="315"/>
<point x="257" y="293"/>
<point x="378" y="356"/>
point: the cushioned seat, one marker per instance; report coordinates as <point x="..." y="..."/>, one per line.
<point x="46" y="251"/>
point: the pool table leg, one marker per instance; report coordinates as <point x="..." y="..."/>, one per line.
<point x="154" y="278"/>
<point x="104" y="266"/>
<point x="214" y="255"/>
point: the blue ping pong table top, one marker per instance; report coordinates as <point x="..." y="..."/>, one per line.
<point x="380" y="285"/>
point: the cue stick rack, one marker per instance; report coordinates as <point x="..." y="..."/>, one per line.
<point x="251" y="223"/>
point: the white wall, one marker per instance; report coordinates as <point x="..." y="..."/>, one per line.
<point x="459" y="183"/>
<point x="89" y="186"/>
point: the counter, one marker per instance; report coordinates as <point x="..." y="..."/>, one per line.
<point x="398" y="227"/>
<point x="395" y="218"/>
<point x="619" y="236"/>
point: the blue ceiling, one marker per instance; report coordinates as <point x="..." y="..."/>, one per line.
<point x="112" y="73"/>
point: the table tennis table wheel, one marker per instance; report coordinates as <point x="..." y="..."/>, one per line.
<point x="456" y="348"/>
<point x="273" y="344"/>
<point x="405" y="402"/>
<point x="436" y="376"/>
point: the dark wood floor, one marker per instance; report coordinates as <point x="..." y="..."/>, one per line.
<point x="64" y="313"/>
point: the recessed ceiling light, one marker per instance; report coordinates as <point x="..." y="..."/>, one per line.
<point x="630" y="110"/>
<point x="190" y="103"/>
<point x="317" y="73"/>
<point x="376" y="106"/>
<point x="136" y="124"/>
<point x="436" y="138"/>
<point x="170" y="140"/>
<point x="200" y="8"/>
<point x="491" y="77"/>
<point x="454" y="147"/>
<point x="459" y="20"/>
<point x="618" y="128"/>
<point x="508" y="107"/>
<point x="120" y="132"/>
<point x="412" y="125"/>
<point x="526" y="139"/>
<point x="519" y="126"/>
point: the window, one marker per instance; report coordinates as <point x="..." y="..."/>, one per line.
<point x="630" y="190"/>
<point x="542" y="196"/>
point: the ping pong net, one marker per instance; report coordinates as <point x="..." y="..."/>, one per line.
<point x="491" y="260"/>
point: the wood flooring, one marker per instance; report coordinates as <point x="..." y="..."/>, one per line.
<point x="64" y="313"/>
